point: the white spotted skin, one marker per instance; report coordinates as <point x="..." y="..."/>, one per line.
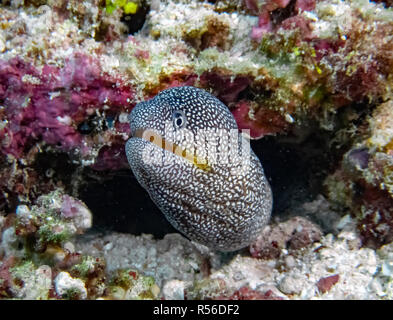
<point x="218" y="208"/>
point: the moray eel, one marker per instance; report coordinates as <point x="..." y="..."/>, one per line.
<point x="182" y="149"/>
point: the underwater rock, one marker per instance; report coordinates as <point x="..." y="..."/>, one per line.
<point x="293" y="234"/>
<point x="77" y="211"/>
<point x="260" y="121"/>
<point x="173" y="290"/>
<point x="363" y="182"/>
<point x="11" y="245"/>
<point x="31" y="283"/>
<point x="70" y="288"/>
<point x="53" y="220"/>
<point x="39" y="236"/>
<point x="128" y="284"/>
<point x="291" y="71"/>
<point x="6" y="277"/>
<point x="292" y="284"/>
<point x="173" y="257"/>
<point x="329" y="257"/>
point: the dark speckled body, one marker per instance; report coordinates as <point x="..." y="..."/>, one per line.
<point x="224" y="205"/>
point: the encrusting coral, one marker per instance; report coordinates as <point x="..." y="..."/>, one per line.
<point x="363" y="182"/>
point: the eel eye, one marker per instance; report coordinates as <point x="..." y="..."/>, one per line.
<point x="179" y="119"/>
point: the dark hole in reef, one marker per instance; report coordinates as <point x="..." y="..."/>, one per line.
<point x="85" y="127"/>
<point x="135" y="22"/>
<point x="120" y="204"/>
<point x="295" y="170"/>
<point x="55" y="166"/>
<point x="93" y="124"/>
<point x="362" y="110"/>
<point x="386" y="3"/>
<point x="251" y="94"/>
<point x="246" y="94"/>
<point x="8" y="201"/>
<point x="279" y="15"/>
<point x="358" y="190"/>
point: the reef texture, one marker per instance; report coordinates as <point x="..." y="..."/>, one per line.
<point x="332" y="267"/>
<point x="39" y="261"/>
<point x="364" y="180"/>
<point x="71" y="71"/>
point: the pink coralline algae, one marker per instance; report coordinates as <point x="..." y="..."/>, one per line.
<point x="264" y="25"/>
<point x="176" y="79"/>
<point x="52" y="104"/>
<point x="325" y="284"/>
<point x="69" y="207"/>
<point x="6" y="277"/>
<point x="229" y="89"/>
<point x="74" y="209"/>
<point x="263" y="122"/>
<point x="275" y="8"/>
<point x="224" y="86"/>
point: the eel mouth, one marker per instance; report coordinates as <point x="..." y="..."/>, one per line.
<point x="154" y="137"/>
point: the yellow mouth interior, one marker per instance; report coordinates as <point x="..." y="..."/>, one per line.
<point x="155" y="138"/>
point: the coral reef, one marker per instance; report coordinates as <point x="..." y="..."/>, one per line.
<point x="39" y="260"/>
<point x="62" y="108"/>
<point x="175" y="268"/>
<point x="305" y="72"/>
<point x="130" y="285"/>
<point x="293" y="234"/>
<point x="333" y="267"/>
<point x="363" y="182"/>
<point x="70" y="288"/>
<point x="36" y="248"/>
<point x="290" y="75"/>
